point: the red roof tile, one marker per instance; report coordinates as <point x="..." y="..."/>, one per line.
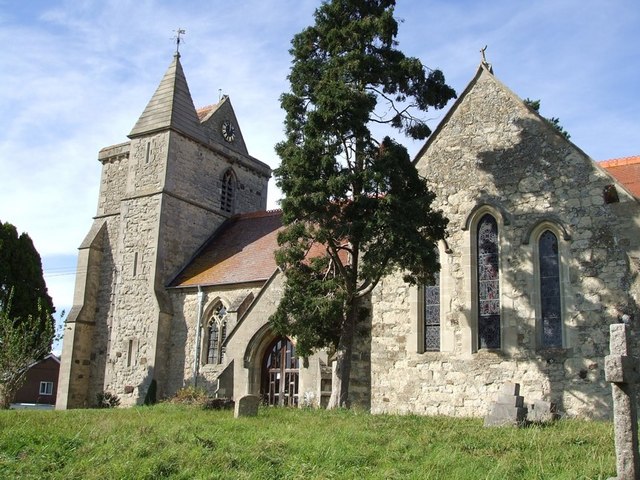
<point x="626" y="170"/>
<point x="240" y="251"/>
<point x="204" y="111"/>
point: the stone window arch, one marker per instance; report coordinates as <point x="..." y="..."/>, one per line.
<point x="487" y="304"/>
<point x="215" y="334"/>
<point x="228" y="191"/>
<point x="547" y="240"/>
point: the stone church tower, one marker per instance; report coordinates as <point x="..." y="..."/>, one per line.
<point x="182" y="173"/>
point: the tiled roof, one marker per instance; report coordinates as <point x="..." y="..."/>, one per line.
<point x="240" y="251"/>
<point x="206" y="110"/>
<point x="626" y="170"/>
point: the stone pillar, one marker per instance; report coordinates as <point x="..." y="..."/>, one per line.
<point x="622" y="372"/>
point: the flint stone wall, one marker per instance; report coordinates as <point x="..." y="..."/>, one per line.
<point x="492" y="152"/>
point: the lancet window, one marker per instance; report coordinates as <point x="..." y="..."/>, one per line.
<point x="431" y="315"/>
<point x="228" y="190"/>
<point x="217" y="333"/>
<point x="550" y="297"/>
<point x="488" y="277"/>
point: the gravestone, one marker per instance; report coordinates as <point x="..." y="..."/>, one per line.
<point x="540" y="411"/>
<point x="247" y="406"/>
<point x="508" y="408"/>
<point x="622" y="372"/>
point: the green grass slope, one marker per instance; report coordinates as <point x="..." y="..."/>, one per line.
<point x="172" y="441"/>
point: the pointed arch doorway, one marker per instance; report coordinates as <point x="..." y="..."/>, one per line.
<point x="280" y="374"/>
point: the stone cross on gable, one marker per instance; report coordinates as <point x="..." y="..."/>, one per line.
<point x="621" y="370"/>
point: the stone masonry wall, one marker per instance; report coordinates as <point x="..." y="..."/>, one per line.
<point x="170" y="207"/>
<point x="105" y="300"/>
<point x="113" y="181"/>
<point x="248" y="340"/>
<point x="134" y="323"/>
<point x="195" y="174"/>
<point x="493" y="154"/>
<point x="183" y="333"/>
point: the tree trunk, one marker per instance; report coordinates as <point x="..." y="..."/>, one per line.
<point x="5" y="398"/>
<point x="342" y="373"/>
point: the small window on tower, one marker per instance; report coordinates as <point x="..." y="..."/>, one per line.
<point x="135" y="264"/>
<point x="228" y="191"/>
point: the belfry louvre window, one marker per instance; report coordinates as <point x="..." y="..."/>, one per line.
<point x="217" y="333"/>
<point x="488" y="275"/>
<point x="432" y="315"/>
<point x="550" y="302"/>
<point x="228" y="191"/>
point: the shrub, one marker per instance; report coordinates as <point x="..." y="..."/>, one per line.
<point x="190" y="396"/>
<point x="199" y="397"/>
<point x="218" y="404"/>
<point x="107" y="400"/>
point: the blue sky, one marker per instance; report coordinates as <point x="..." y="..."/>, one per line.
<point x="75" y="75"/>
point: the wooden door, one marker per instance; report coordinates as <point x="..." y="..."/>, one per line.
<point x="280" y="374"/>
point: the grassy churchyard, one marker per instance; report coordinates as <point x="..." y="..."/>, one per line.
<point x="182" y="442"/>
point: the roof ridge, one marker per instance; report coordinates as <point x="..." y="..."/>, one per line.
<point x="259" y="214"/>
<point x="619" y="162"/>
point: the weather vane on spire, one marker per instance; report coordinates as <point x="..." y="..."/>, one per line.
<point x="179" y="31"/>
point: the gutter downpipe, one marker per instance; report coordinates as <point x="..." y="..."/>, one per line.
<point x="196" y="356"/>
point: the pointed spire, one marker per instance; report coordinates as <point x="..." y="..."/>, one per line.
<point x="171" y="106"/>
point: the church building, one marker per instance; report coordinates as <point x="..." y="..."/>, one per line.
<point x="176" y="278"/>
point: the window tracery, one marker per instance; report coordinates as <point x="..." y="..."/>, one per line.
<point x="217" y="333"/>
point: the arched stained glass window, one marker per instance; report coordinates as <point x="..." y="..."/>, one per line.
<point x="217" y="333"/>
<point x="432" y="315"/>
<point x="550" y="302"/>
<point x="488" y="275"/>
<point x="228" y="191"/>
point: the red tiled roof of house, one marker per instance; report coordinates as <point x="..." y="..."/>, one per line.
<point x="240" y="251"/>
<point x="626" y="170"/>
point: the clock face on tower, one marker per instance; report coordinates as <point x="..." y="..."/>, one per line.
<point x="228" y="131"/>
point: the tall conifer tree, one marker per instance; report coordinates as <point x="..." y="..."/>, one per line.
<point x="355" y="209"/>
<point x="26" y="323"/>
<point x="21" y="277"/>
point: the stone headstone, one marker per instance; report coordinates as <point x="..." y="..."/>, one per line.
<point x="508" y="408"/>
<point x="247" y="406"/>
<point x="540" y="411"/>
<point x="621" y="370"/>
